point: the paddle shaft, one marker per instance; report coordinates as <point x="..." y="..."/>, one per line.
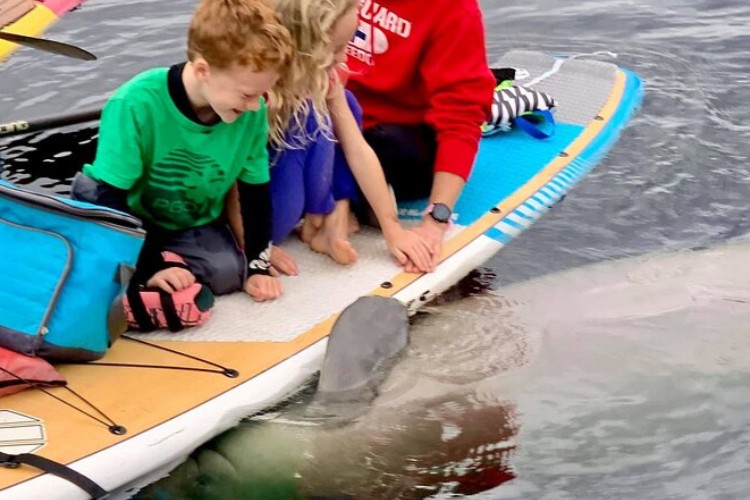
<point x="21" y="127"/>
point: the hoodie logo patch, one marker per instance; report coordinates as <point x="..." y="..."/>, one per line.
<point x="371" y="38"/>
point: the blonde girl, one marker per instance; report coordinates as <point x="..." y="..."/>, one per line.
<point x="320" y="160"/>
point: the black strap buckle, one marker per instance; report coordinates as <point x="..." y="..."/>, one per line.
<point x="10" y="462"/>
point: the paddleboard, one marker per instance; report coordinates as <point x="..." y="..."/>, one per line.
<point x="30" y="18"/>
<point x="274" y="347"/>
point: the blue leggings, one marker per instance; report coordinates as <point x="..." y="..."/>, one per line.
<point x="310" y="179"/>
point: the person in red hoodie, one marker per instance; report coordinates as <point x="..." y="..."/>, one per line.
<point x="420" y="73"/>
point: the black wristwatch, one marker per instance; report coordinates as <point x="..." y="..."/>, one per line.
<point x="440" y="212"/>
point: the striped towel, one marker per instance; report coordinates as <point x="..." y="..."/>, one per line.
<point x="511" y="101"/>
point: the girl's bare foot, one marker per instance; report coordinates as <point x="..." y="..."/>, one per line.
<point x="339" y="249"/>
<point x="353" y="224"/>
<point x="332" y="238"/>
<point x="310" y="227"/>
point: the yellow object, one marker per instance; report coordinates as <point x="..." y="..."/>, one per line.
<point x="33" y="23"/>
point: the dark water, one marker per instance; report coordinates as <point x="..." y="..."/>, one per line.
<point x="594" y="409"/>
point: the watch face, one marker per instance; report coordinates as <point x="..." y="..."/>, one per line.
<point x="441" y="212"/>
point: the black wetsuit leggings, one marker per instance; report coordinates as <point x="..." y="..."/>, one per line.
<point x="210" y="251"/>
<point x="407" y="154"/>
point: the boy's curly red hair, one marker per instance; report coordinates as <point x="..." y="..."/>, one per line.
<point x="243" y="32"/>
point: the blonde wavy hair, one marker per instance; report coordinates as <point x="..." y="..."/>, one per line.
<point x="303" y="87"/>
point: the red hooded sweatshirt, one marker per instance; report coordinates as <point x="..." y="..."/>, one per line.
<point x="424" y="61"/>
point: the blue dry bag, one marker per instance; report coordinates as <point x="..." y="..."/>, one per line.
<point x="62" y="268"/>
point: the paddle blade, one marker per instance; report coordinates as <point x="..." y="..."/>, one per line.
<point x="51" y="46"/>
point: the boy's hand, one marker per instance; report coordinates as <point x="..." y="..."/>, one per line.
<point x="261" y="287"/>
<point x="172" y="279"/>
